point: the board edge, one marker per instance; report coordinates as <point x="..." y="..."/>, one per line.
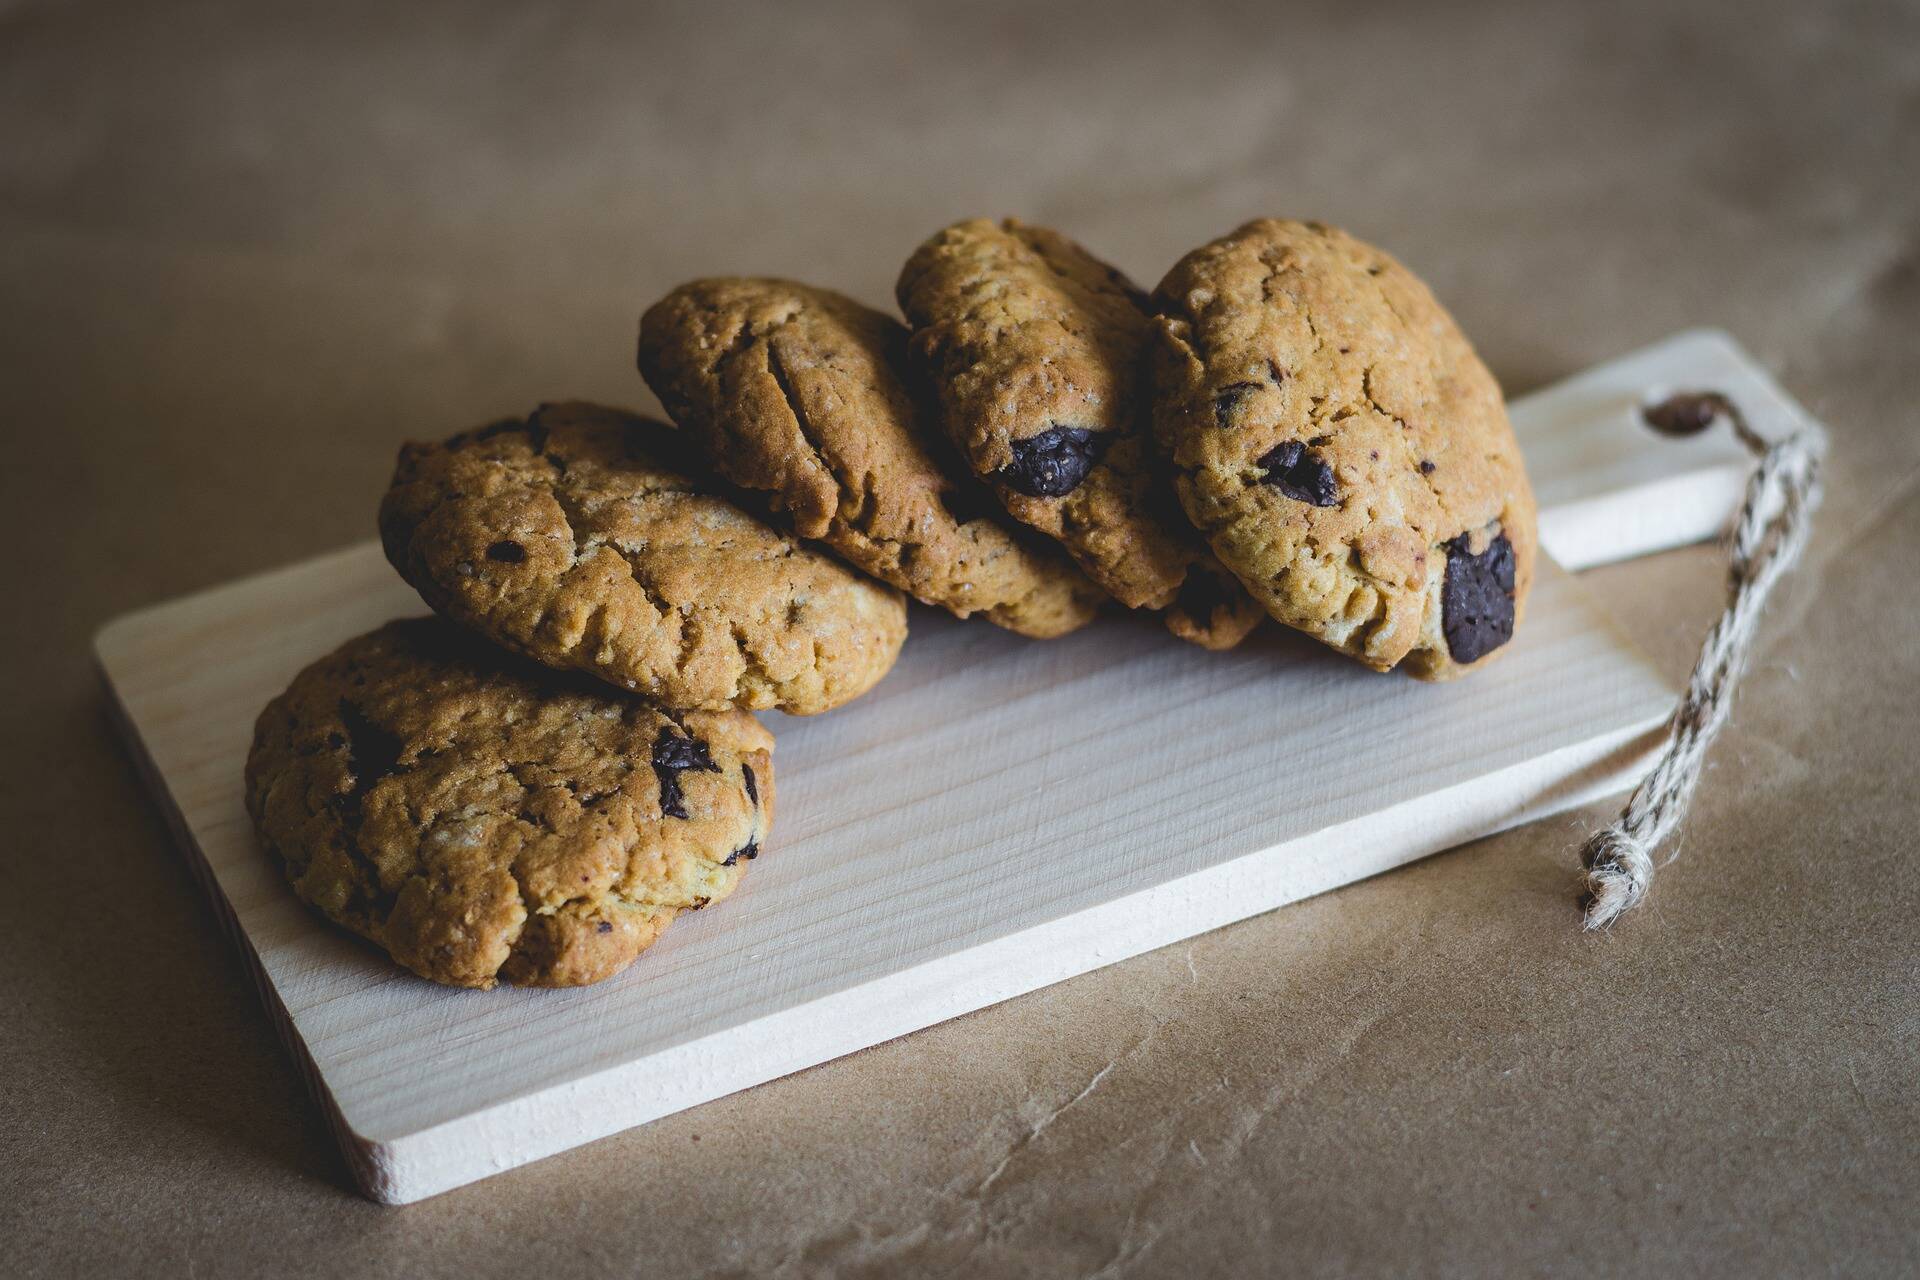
<point x="439" y="1158"/>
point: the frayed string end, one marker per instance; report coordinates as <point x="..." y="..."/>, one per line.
<point x="1619" y="872"/>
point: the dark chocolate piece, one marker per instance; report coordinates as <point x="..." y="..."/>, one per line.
<point x="673" y="756"/>
<point x="1476" y="600"/>
<point x="1299" y="473"/>
<point x="1052" y="463"/>
<point x="1228" y="398"/>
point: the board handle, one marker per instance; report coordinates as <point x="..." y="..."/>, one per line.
<point x="1611" y="487"/>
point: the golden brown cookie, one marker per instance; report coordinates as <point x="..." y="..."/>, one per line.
<point x="797" y="393"/>
<point x="1036" y="352"/>
<point x="1343" y="448"/>
<point x="565" y="539"/>
<point x="480" y="817"/>
<point x="1034" y="349"/>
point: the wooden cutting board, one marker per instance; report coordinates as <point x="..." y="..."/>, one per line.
<point x="997" y="815"/>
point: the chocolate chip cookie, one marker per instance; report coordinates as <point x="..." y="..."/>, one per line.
<point x="1036" y="352"/>
<point x="481" y="817"/>
<point x="1342" y="447"/>
<point x="565" y="538"/>
<point x="1034" y="349"/>
<point x="799" y="394"/>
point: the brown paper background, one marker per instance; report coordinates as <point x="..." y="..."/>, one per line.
<point x="245" y="250"/>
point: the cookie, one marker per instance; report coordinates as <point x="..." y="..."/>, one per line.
<point x="482" y="818"/>
<point x="798" y="394"/>
<point x="564" y="539"/>
<point x="1344" y="450"/>
<point x="1034" y="349"/>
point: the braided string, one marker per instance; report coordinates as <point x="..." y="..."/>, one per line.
<point x="1769" y="534"/>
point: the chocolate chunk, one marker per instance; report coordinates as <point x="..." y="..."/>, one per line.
<point x="1686" y="414"/>
<point x="673" y="756"/>
<point x="1476" y="601"/>
<point x="671" y="751"/>
<point x="753" y="788"/>
<point x="750" y="850"/>
<point x="604" y="926"/>
<point x="372" y="752"/>
<point x="1299" y="473"/>
<point x="1052" y="463"/>
<point x="1229" y="398"/>
<point x="507" y="551"/>
<point x="1426" y="466"/>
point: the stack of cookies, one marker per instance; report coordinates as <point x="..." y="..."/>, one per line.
<point x="533" y="784"/>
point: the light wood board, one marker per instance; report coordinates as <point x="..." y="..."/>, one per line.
<point x="997" y="815"/>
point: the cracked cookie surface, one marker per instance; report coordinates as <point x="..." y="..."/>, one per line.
<point x="482" y="818"/>
<point x="797" y="393"/>
<point x="1344" y="450"/>
<point x="564" y="538"/>
<point x="1036" y="351"/>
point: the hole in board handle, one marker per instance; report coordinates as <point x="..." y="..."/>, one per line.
<point x="1685" y="413"/>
